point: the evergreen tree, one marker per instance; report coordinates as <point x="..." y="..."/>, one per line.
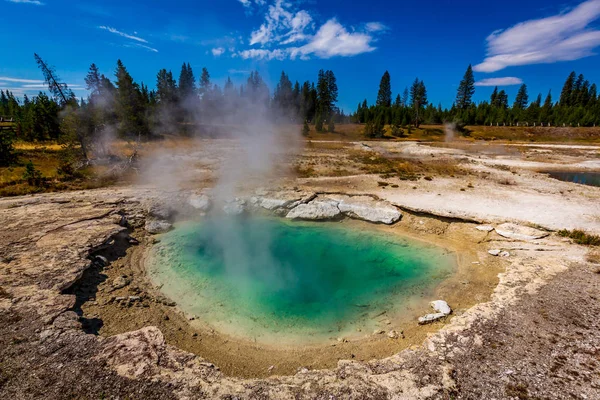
<point x="205" y="85"/>
<point x="187" y="82"/>
<point x="567" y="91"/>
<point x="466" y="89"/>
<point x="129" y="105"/>
<point x="494" y="97"/>
<point x="522" y="98"/>
<point x="331" y="125"/>
<point x="283" y="97"/>
<point x="319" y="122"/>
<point x="305" y="128"/>
<point x="166" y="88"/>
<point x="384" y="96"/>
<point x="405" y="97"/>
<point x="502" y="99"/>
<point x="418" y="98"/>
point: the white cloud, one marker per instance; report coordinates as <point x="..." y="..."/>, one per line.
<point x="248" y="3"/>
<point x="263" y="54"/>
<point x="505" y="81"/>
<point x="141" y="46"/>
<point x="44" y="86"/>
<point x="125" y="35"/>
<point x="34" y="2"/>
<point x="218" y="51"/>
<point x="19" y="80"/>
<point x="285" y="25"/>
<point x="281" y="24"/>
<point x="563" y="37"/>
<point x="375" y="27"/>
<point x="332" y="39"/>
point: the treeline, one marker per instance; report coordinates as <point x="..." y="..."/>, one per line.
<point x="125" y="108"/>
<point x="579" y="105"/>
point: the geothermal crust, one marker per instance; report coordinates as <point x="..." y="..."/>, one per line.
<point x="548" y="292"/>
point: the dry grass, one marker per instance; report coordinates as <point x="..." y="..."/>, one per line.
<point x="593" y="256"/>
<point x="405" y="169"/>
<point x="581" y="237"/>
<point x="436" y="133"/>
<point x="46" y="159"/>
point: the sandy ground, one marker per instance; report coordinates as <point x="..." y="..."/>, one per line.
<point x="524" y="326"/>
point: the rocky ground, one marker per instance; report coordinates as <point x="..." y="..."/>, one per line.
<point x="535" y="335"/>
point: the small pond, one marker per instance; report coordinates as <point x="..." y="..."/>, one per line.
<point x="583" y="178"/>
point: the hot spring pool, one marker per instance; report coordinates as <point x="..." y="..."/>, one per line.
<point x="581" y="177"/>
<point x="276" y="281"/>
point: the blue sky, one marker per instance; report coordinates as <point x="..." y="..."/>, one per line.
<point x="536" y="42"/>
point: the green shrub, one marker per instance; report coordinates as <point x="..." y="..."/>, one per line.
<point x="580" y="237"/>
<point x="32" y="175"/>
<point x="7" y="150"/>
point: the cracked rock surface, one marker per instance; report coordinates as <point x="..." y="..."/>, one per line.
<point x="536" y="336"/>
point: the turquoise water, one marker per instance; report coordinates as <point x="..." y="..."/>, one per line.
<point x="271" y="279"/>
<point x="583" y="178"/>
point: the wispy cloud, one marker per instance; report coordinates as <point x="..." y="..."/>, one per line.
<point x="141" y="46"/>
<point x="563" y="37"/>
<point x="44" y="86"/>
<point x="123" y="34"/>
<point x="218" y="51"/>
<point x="34" y="2"/>
<point x="139" y="42"/>
<point x="285" y="25"/>
<point x="19" y="80"/>
<point x="263" y="54"/>
<point x="505" y="81"/>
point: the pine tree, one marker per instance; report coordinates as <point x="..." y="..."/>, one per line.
<point x="129" y="105"/>
<point x="418" y="98"/>
<point x="205" y="85"/>
<point x="522" y="98"/>
<point x="494" y="97"/>
<point x="466" y="89"/>
<point x="405" y="97"/>
<point x="166" y="88"/>
<point x="283" y="97"/>
<point x="331" y="125"/>
<point x="567" y="91"/>
<point x="319" y="122"/>
<point x="502" y="99"/>
<point x="398" y="101"/>
<point x="593" y="93"/>
<point x="187" y="82"/>
<point x="384" y="96"/>
<point x="305" y="128"/>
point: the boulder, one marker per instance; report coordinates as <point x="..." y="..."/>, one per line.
<point x="485" y="228"/>
<point x="200" y="202"/>
<point x="315" y="210"/>
<point x="519" y="232"/>
<point x="499" y="253"/>
<point x="441" y="306"/>
<point x="368" y="209"/>
<point x="160" y="211"/>
<point x="155" y="226"/>
<point x="120" y="282"/>
<point x="234" y="208"/>
<point x="272" y="204"/>
<point x="393" y="335"/>
<point x="429" y="318"/>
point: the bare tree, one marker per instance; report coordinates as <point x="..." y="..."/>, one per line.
<point x="63" y="93"/>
